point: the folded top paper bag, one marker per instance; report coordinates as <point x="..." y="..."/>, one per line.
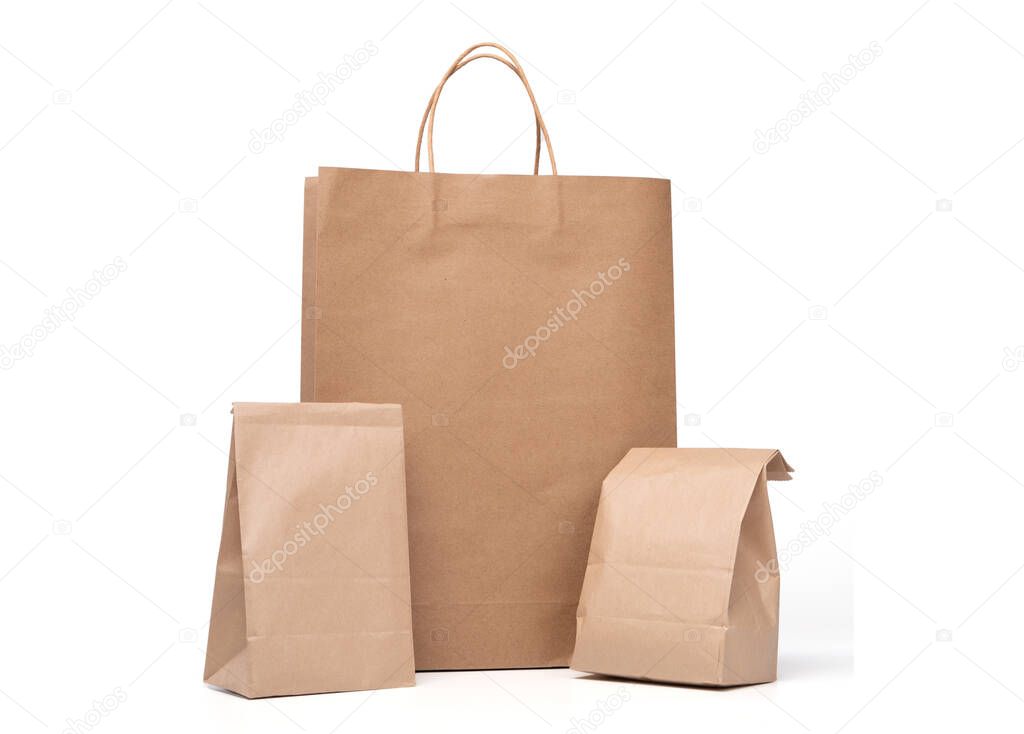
<point x="682" y="585"/>
<point x="312" y="585"/>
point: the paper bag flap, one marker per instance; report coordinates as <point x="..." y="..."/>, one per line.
<point x="670" y="520"/>
<point x="779" y="469"/>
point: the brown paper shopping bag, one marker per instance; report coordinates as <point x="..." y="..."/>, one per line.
<point x="514" y="317"/>
<point x="312" y="584"/>
<point x="681" y="583"/>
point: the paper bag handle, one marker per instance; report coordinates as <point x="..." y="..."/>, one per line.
<point x="513" y="63"/>
<point x="432" y="104"/>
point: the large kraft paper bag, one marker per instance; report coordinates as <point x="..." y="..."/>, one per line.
<point x="525" y="324"/>
<point x="682" y="585"/>
<point x="312" y="585"/>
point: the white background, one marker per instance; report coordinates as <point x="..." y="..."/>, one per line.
<point x="827" y="305"/>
